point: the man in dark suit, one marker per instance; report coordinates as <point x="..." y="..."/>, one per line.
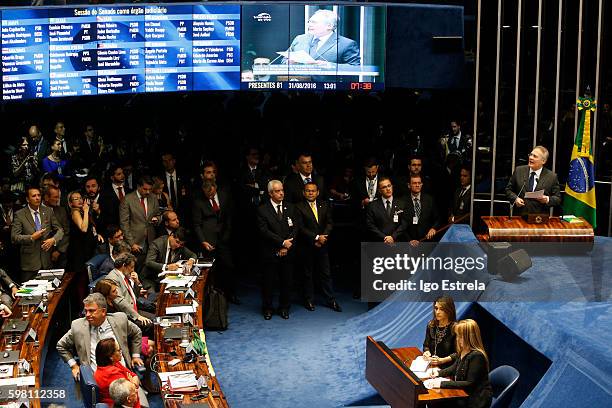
<point x="252" y="179"/>
<point x="112" y="195"/>
<point x="294" y="182"/>
<point x="39" y="146"/>
<point x="164" y="254"/>
<point x="364" y="189"/>
<point x="36" y="230"/>
<point x="212" y="222"/>
<point x="384" y="220"/>
<point x="533" y="177"/>
<point x="315" y="226"/>
<point x="415" y="168"/>
<point x="456" y="142"/>
<point x="323" y="43"/>
<point x="462" y="198"/>
<point x="52" y="197"/>
<point x="174" y="184"/>
<point x="421" y="214"/>
<point x="139" y="214"/>
<point x="278" y="226"/>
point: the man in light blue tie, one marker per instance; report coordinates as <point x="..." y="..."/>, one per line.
<point x="36" y="231"/>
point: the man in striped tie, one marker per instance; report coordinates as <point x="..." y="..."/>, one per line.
<point x="421" y="213"/>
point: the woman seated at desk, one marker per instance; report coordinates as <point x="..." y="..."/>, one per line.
<point x="470" y="370"/>
<point x="439" y="345"/>
<point x="109" y="368"/>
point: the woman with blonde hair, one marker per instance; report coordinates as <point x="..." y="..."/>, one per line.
<point x="470" y="369"/>
<point x="439" y="344"/>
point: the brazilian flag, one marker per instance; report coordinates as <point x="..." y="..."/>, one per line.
<point x="580" y="188"/>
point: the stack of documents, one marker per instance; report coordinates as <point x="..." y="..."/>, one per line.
<point x="178" y="281"/>
<point x="51" y="273"/>
<point x="180" y="309"/>
<point x="180" y="381"/>
<point x="420" y="367"/>
<point x="35" y="287"/>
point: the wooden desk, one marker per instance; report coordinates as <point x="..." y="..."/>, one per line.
<point x="408" y="354"/>
<point x="36" y="354"/>
<point x="200" y="368"/>
<point x="515" y="229"/>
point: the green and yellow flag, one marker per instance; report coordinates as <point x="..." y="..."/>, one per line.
<point x="580" y="188"/>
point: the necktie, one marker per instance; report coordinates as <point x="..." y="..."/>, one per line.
<point x="371" y="188"/>
<point x="129" y="288"/>
<point x="532" y="181"/>
<point x="279" y="211"/>
<point x="37" y="221"/>
<point x="313" y="206"/>
<point x="463" y="191"/>
<point x="455" y="143"/>
<point x="172" y="192"/>
<point x="215" y="206"/>
<point x="313" y="47"/>
<point x="389" y="208"/>
<point x="120" y="191"/>
<point x="417" y="208"/>
<point x="142" y="204"/>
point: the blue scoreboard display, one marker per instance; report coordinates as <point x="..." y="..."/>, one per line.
<point x="63" y="51"/>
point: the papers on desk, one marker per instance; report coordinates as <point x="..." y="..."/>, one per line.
<point x="178" y="281"/>
<point x="534" y="194"/>
<point x="419" y="364"/>
<point x="179" y="381"/>
<point x="26" y="381"/>
<point x="180" y="309"/>
<point x="435" y="382"/>
<point x="35" y="288"/>
<point x="51" y="273"/>
<point x="6" y="370"/>
<point x="301" y="56"/>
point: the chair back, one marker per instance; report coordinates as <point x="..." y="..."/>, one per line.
<point x="503" y="381"/>
<point x="89" y="388"/>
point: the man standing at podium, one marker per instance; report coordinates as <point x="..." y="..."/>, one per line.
<point x="534" y="177"/>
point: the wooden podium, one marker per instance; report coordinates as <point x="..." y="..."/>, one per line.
<point x="516" y="229"/>
<point x="387" y="370"/>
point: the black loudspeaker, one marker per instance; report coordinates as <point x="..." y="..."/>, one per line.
<point x="495" y="252"/>
<point x="511" y="266"/>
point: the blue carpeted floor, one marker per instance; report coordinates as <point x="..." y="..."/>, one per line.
<point x="317" y="359"/>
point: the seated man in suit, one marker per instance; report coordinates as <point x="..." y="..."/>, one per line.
<point x="127" y="299"/>
<point x="316" y="225"/>
<point x="86" y="332"/>
<point x="323" y="43"/>
<point x="164" y="254"/>
<point x="384" y="220"/>
<point x="36" y="230"/>
<point x="421" y="213"/>
<point x="124" y="393"/>
<point x="278" y="226"/>
<point x="533" y="177"/>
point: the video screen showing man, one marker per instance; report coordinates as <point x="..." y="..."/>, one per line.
<point x="322" y="43"/>
<point x="313" y="46"/>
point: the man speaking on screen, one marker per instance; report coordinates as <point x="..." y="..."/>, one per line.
<point x="323" y="43"/>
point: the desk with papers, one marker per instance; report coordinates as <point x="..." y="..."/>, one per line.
<point x="34" y="310"/>
<point x="184" y="380"/>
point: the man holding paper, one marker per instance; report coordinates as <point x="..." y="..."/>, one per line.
<point x="533" y="189"/>
<point x="165" y="253"/>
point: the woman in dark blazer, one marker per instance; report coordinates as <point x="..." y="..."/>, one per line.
<point x="439" y="344"/>
<point x="470" y="370"/>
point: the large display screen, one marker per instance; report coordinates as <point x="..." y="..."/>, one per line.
<point x="322" y="47"/>
<point x="91" y="50"/>
<point x="119" y="49"/>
